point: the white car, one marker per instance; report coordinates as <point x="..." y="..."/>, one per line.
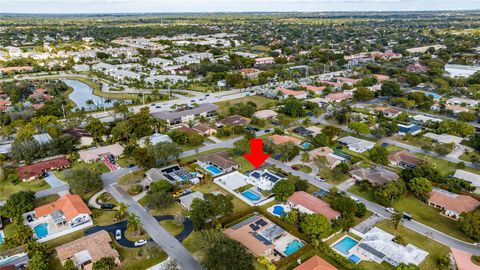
<point x="118" y="234"/>
<point x="477" y="244"/>
<point x="390" y="210"/>
<point x="357" y="200"/>
<point x="140" y="242"/>
<point x="319" y="178"/>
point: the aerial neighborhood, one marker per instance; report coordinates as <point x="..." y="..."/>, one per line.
<point x="128" y="142"/>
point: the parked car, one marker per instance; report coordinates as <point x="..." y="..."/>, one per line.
<point x="407" y="216"/>
<point x="153" y="104"/>
<point x="390" y="210"/>
<point x="107" y="206"/>
<point x="158" y="107"/>
<point x="319" y="178"/>
<point x="268" y="130"/>
<point x="357" y="200"/>
<point x="295" y="168"/>
<point x="193" y="100"/>
<point x="130" y="165"/>
<point x="140" y="242"/>
<point x="118" y="234"/>
<point x="477" y="244"/>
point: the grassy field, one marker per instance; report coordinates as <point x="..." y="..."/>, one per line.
<point x="7" y="189"/>
<point x="435" y="249"/>
<point x="131" y="178"/>
<point x="137" y="258"/>
<point x="422" y="213"/>
<point x="172" y="227"/>
<point x="330" y="178"/>
<point x="445" y="167"/>
<point x="262" y="102"/>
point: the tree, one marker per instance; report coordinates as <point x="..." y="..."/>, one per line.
<point x="410" y="266"/>
<point x="292" y="107"/>
<point x="315" y="226"/>
<point x="84" y="180"/>
<point x="363" y="94"/>
<point x="223" y="253"/>
<point x="38" y="261"/>
<point x="133" y="223"/>
<point x="105" y="263"/>
<point x="425" y="170"/>
<point x="283" y="189"/>
<point x="420" y="187"/>
<point x="390" y="88"/>
<point x="121" y="211"/>
<point x="345" y="221"/>
<point x="209" y="209"/>
<point x="96" y="128"/>
<point x="378" y="155"/>
<point x="301" y="185"/>
<point x="161" y="186"/>
<point x="331" y="131"/>
<point x="396" y="219"/>
<point x="143" y="157"/>
<point x="343" y="204"/>
<point x="23" y="235"/>
<point x="159" y="199"/>
<point x="163" y="151"/>
<point x="359" y="128"/>
<point x="287" y="150"/>
<point x="470" y="224"/>
<point x="18" y="204"/>
<point x="69" y="265"/>
<point x="26" y="132"/>
<point x="466" y="116"/>
<point x="321" y="140"/>
<point x="388" y="192"/>
<point x="293" y="217"/>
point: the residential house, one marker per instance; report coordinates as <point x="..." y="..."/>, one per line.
<point x="473" y="178"/>
<point x="357" y="59"/>
<point x="451" y="204"/>
<point x="249" y="73"/>
<point x="94" y="154"/>
<point x="318" y="90"/>
<point x="417" y="68"/>
<point x="68" y="210"/>
<point x="338" y="97"/>
<point x="424" y="49"/>
<point x="314" y="130"/>
<point x="422" y="119"/>
<point x="315" y="263"/>
<point x="444" y="138"/>
<point x="403" y="159"/>
<point x="279" y="139"/>
<point x="462" y="102"/>
<point x="387" y="55"/>
<point x="284" y="93"/>
<point x="233" y="120"/>
<point x="6" y="70"/>
<point x="332" y="159"/>
<point x="411" y="129"/>
<point x="378" y="246"/>
<point x="43" y="138"/>
<point x="38" y="169"/>
<point x="265" y="114"/>
<point x="184" y="116"/>
<point x="302" y="131"/>
<point x="85" y="138"/>
<point x="377" y="176"/>
<point x="220" y="159"/>
<point x="204" y="129"/>
<point x="87" y="250"/>
<point x="159" y="62"/>
<point x="380" y="77"/>
<point x="154" y="139"/>
<point x="103" y="67"/>
<point x="264" y="61"/>
<point x="388" y="112"/>
<point x="348" y="81"/>
<point x="458" y="71"/>
<point x="356" y="144"/>
<point x="309" y="204"/>
<point x="264" y="180"/>
<point x="187" y="200"/>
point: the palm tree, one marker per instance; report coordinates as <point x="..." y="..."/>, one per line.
<point x="90" y="103"/>
<point x="396" y="220"/>
<point x="133" y="223"/>
<point x="122" y="210"/>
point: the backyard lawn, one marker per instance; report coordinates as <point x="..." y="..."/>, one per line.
<point x="420" y="212"/>
<point x="435" y="249"/>
<point x="7" y="189"/>
<point x="245" y="165"/>
<point x="262" y="102"/>
<point x="238" y="205"/>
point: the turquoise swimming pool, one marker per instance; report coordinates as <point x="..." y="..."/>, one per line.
<point x="293" y="246"/>
<point x="41" y="230"/>
<point x="251" y="195"/>
<point x="1" y="238"/>
<point x="213" y="169"/>
<point x="306" y="145"/>
<point x="345" y="245"/>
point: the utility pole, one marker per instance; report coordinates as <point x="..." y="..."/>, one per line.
<point x="63" y="111"/>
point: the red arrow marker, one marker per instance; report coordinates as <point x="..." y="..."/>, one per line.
<point x="256" y="156"/>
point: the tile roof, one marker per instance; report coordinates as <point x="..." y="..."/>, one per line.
<point x="377" y="177"/>
<point x="97" y="245"/>
<point x="71" y="205"/>
<point x="95" y="153"/>
<point x="234" y="120"/>
<point x="279" y="139"/>
<point x="313" y="88"/>
<point x="315" y="263"/>
<point x="313" y="204"/>
<point x="454" y="202"/>
<point x="289" y="92"/>
<point x="405" y="156"/>
<point x="36" y="169"/>
<point x="221" y="159"/>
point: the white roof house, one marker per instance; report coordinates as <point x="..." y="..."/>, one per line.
<point x="444" y="138"/>
<point x="43" y="138"/>
<point x="162" y="78"/>
<point x="265" y="114"/>
<point x="460" y="101"/>
<point x="160" y="62"/>
<point x="378" y="246"/>
<point x="424" y="119"/>
<point x="356" y="144"/>
<point x="470" y="177"/>
<point x="154" y="139"/>
<point x="187" y="200"/>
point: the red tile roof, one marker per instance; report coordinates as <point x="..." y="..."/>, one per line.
<point x="315" y="263"/>
<point x="289" y="92"/>
<point x="71" y="205"/>
<point x="36" y="169"/>
<point x="279" y="139"/>
<point x="313" y="88"/>
<point x="313" y="204"/>
<point x="454" y="202"/>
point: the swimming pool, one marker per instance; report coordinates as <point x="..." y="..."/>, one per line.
<point x="306" y="145"/>
<point x="213" y="169"/>
<point x="1" y="237"/>
<point x="345" y="245"/>
<point x="293" y="246"/>
<point x="354" y="258"/>
<point x="279" y="211"/>
<point x="251" y="195"/>
<point x="41" y="230"/>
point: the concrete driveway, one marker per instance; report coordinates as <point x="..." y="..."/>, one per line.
<point x="53" y="181"/>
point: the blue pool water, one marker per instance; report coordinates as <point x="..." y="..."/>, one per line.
<point x="345" y="245"/>
<point x="252" y="196"/>
<point x="1" y="239"/>
<point x="41" y="230"/>
<point x="306" y="145"/>
<point x="354" y="258"/>
<point x="293" y="246"/>
<point x="279" y="211"/>
<point x="214" y="170"/>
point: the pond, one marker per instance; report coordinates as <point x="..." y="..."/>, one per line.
<point x="83" y="93"/>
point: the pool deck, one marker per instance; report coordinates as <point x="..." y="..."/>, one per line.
<point x="243" y="198"/>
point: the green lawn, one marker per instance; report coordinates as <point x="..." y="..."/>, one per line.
<point x="131" y="178"/>
<point x="262" y="102"/>
<point x="238" y="204"/>
<point x="245" y="165"/>
<point x="327" y="174"/>
<point x="137" y="258"/>
<point x="48" y="199"/>
<point x="195" y="156"/>
<point x="445" y="167"/>
<point x="7" y="189"/>
<point x="303" y="168"/>
<point x="435" y="249"/>
<point x="172" y="227"/>
<point x="421" y="212"/>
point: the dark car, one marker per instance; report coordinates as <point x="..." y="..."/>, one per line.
<point x="107" y="206"/>
<point x="29" y="218"/>
<point x="130" y="165"/>
<point x="255" y="129"/>
<point x="295" y="168"/>
<point x="268" y="130"/>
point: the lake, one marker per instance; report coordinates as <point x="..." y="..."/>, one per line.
<point x="82" y="93"/>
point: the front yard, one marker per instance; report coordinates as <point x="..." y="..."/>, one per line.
<point x="7" y="189"/>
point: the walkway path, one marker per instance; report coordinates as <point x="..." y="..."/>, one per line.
<point x="93" y="200"/>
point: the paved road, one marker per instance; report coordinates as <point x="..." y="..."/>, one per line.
<point x="61" y="190"/>
<point x="413" y="225"/>
<point x="167" y="242"/>
<point x="122" y="226"/>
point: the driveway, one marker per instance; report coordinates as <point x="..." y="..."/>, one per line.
<point x="122" y="225"/>
<point x="53" y="181"/>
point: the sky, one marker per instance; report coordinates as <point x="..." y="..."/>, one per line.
<point x="160" y="6"/>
